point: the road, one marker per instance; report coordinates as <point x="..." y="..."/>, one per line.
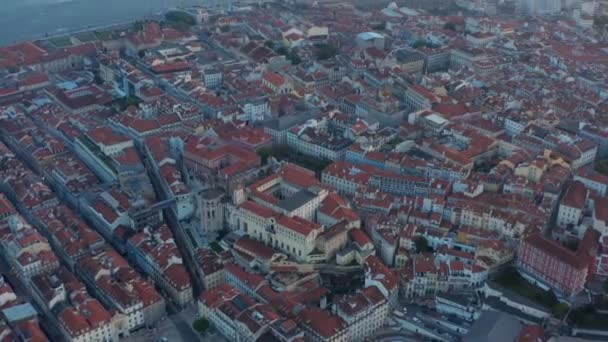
<point x="181" y="240"/>
<point x="176" y="328"/>
<point x="392" y="335"/>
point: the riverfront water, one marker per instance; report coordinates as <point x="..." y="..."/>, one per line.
<point x="31" y="19"/>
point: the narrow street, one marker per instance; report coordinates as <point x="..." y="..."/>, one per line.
<point x="23" y="295"/>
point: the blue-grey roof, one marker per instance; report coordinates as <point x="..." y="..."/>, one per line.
<point x="19" y="312"/>
<point x="297" y="200"/>
<point x="369" y="35"/>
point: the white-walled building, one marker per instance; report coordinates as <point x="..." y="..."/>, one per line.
<point x="293" y="235"/>
<point x="364" y="312"/>
<point x="346" y="178"/>
<point x="212" y="306"/>
<point x="418" y="98"/>
<point x="314" y="140"/>
<point x="466" y="57"/>
<point x="366" y="40"/>
<point x="289" y="210"/>
<point x="89" y="322"/>
<point x="600" y="215"/>
<point x="572" y="205"/>
<point x="592" y="180"/>
<point x="321" y="326"/>
<point x="109" y="142"/>
<point x="255" y="110"/>
<point x="379" y="275"/>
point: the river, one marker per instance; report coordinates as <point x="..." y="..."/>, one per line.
<point x="31" y="19"/>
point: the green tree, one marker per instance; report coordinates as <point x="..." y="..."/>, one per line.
<point x="560" y="310"/>
<point x="601" y="166"/>
<point x="216" y="247"/>
<point x="137" y="26"/>
<point x="326" y="51"/>
<point x="97" y="79"/>
<point x="422" y="245"/>
<point x="282" y="51"/>
<point x="201" y="325"/>
<point x="181" y="26"/>
<point x="420" y="43"/>
<point x="600" y="21"/>
<point x="269" y="44"/>
<point x="450" y="26"/>
<point x="180" y="17"/>
<point x="294" y="58"/>
<point x="280" y="152"/>
<point x="579" y="315"/>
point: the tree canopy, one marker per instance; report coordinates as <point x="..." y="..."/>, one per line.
<point x="326" y="51"/>
<point x="423" y="43"/>
<point x="179" y="17"/>
<point x="201" y="325"/>
<point x="450" y="26"/>
<point x="601" y="166"/>
<point x="600" y="21"/>
<point x="422" y="245"/>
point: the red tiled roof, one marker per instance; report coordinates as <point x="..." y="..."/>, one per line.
<point x="377" y="270"/>
<point x="128" y="157"/>
<point x="576" y="195"/>
<point x="108" y="214"/>
<point x="258" y="209"/>
<point x="424" y="92"/>
<point x="31" y="329"/>
<point x="589" y="173"/>
<point x="450" y="111"/>
<point x="176" y="66"/>
<point x="87" y="316"/>
<point x="178" y="277"/>
<point x="5" y="207"/>
<point x="34" y="78"/>
<point x="555" y="250"/>
<point x="322" y="322"/>
<point x="359" y="237"/>
<point x="252" y="280"/>
<point x="218" y="295"/>
<point x="142" y="126"/>
<point x="252" y="247"/>
<point x="104" y="135"/>
<point x="274" y="79"/>
<point x="601" y="209"/>
<point x="146" y="292"/>
<point x="95" y="313"/>
<point x="297" y="224"/>
<point x="73" y="322"/>
<point x="194" y="151"/>
<point x="531" y="333"/>
<point x="335" y="206"/>
<point x="298" y="175"/>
